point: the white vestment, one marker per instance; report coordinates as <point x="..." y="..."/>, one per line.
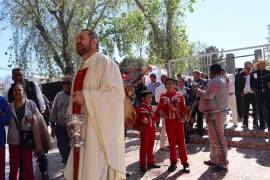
<point x="102" y="156"/>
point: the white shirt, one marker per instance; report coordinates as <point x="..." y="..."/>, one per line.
<point x="247" y="88"/>
<point x="159" y="90"/>
<point x="231" y="78"/>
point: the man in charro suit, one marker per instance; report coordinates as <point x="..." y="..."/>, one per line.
<point x="248" y="95"/>
<point x="258" y="82"/>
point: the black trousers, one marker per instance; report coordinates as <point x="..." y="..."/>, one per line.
<point x="261" y="103"/>
<point x="239" y="104"/>
<point x="267" y="105"/>
<point x="247" y="100"/>
<point x="199" y="119"/>
<point x="63" y="142"/>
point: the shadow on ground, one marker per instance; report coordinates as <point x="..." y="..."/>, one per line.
<point x="209" y="174"/>
<point x="262" y="156"/>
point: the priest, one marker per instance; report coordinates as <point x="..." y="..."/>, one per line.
<point x="98" y="93"/>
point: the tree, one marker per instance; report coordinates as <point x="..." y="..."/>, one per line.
<point x="206" y="61"/>
<point x="167" y="37"/>
<point x="132" y="67"/>
<point x="45" y="30"/>
<point x="268" y="38"/>
<point x="131" y="63"/>
<point x="268" y="41"/>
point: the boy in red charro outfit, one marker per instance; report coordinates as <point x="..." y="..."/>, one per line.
<point x="145" y="118"/>
<point x="172" y="107"/>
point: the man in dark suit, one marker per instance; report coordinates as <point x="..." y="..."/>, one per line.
<point x="258" y="83"/>
<point x="248" y="95"/>
<point x="239" y="102"/>
<point x="267" y="82"/>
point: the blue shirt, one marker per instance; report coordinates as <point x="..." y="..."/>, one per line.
<point x="152" y="87"/>
<point x="5" y="115"/>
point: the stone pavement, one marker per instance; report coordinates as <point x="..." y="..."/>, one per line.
<point x="54" y="163"/>
<point x="245" y="164"/>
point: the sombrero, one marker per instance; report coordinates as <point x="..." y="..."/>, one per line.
<point x="259" y="61"/>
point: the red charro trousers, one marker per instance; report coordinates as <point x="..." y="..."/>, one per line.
<point x="175" y="132"/>
<point x="147" y="146"/>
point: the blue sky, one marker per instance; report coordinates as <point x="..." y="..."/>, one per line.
<point x="226" y="24"/>
<point x="230" y="24"/>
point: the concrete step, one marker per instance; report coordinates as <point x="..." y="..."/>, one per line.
<point x="238" y="142"/>
<point x="240" y="132"/>
<point x="247" y="133"/>
<point x="234" y="139"/>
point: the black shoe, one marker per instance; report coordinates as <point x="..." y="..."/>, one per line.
<point x="172" y="167"/>
<point x="186" y="168"/>
<point x="153" y="166"/>
<point x="219" y="168"/>
<point x="208" y="163"/>
<point x="142" y="169"/>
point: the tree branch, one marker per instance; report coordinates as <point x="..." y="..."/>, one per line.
<point x="169" y="28"/>
<point x="155" y="28"/>
<point x="99" y="18"/>
<point x="47" y="39"/>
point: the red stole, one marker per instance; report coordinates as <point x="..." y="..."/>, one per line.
<point x="76" y="109"/>
<point x="78" y="86"/>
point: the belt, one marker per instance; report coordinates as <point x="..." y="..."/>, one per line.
<point x="231" y="94"/>
<point x="214" y="111"/>
<point x="248" y="93"/>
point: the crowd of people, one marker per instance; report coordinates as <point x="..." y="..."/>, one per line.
<point x="175" y="105"/>
<point x="234" y="92"/>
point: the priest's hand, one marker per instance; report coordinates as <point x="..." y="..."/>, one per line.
<point x="78" y="98"/>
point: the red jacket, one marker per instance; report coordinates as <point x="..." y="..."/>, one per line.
<point x="172" y="106"/>
<point x="144" y="111"/>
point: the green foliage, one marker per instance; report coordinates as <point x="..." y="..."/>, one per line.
<point x="215" y="58"/>
<point x="131" y="63"/>
<point x="167" y="37"/>
<point x="45" y="30"/>
<point x="268" y="38"/>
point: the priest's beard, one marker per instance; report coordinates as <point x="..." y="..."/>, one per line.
<point x="83" y="49"/>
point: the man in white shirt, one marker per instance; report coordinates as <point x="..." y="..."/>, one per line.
<point x="231" y="98"/>
<point x="160" y="90"/>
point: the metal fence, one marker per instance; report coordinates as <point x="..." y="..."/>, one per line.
<point x="229" y="59"/>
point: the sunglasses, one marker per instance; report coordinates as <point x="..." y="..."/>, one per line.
<point x="66" y="82"/>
